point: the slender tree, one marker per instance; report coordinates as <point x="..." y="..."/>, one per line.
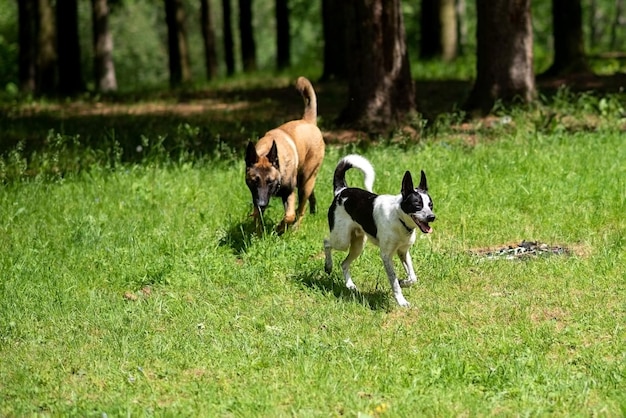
<point x="229" y="54"/>
<point x="618" y="22"/>
<point x="438" y="27"/>
<point x="103" y="65"/>
<point x="27" y="34"/>
<point x="180" y="71"/>
<point x="283" y="38"/>
<point x="461" y="26"/>
<point x="46" y="48"/>
<point x="208" y="36"/>
<point x="248" y="47"/>
<point x="335" y="39"/>
<point x="569" y="45"/>
<point x="504" y="58"/>
<point x="380" y="87"/>
<point x="68" y="47"/>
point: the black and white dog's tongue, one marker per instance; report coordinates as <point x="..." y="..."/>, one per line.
<point x="423" y="226"/>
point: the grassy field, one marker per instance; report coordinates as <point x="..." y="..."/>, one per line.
<point x="138" y="289"/>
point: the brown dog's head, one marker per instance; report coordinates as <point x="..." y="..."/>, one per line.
<point x="262" y="176"/>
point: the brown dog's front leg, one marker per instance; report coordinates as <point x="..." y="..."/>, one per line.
<point x="290" y="213"/>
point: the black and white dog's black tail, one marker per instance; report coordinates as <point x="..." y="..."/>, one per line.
<point x="353" y="161"/>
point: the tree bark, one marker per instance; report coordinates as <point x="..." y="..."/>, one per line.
<point x="248" y="47"/>
<point x="103" y="65"/>
<point x="617" y="22"/>
<point x="70" y="66"/>
<point x="27" y="33"/>
<point x="180" y="72"/>
<point x="430" y="29"/>
<point x="229" y="54"/>
<point x="449" y="40"/>
<point x="335" y="39"/>
<point x="380" y="87"/>
<point x="208" y="37"/>
<point x="569" y="46"/>
<point x="46" y="48"/>
<point x="438" y="27"/>
<point x="461" y="26"/>
<point x="504" y="59"/>
<point x="283" y="37"/>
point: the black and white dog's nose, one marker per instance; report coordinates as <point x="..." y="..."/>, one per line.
<point x="430" y="218"/>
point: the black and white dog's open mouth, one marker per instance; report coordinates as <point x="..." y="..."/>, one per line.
<point x="423" y="226"/>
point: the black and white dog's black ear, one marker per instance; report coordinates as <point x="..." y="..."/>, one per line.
<point x="423" y="185"/>
<point x="251" y="155"/>
<point x="272" y="156"/>
<point x="407" y="184"/>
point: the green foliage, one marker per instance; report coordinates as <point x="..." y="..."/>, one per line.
<point x="140" y="49"/>
<point x="137" y="287"/>
<point x="8" y="46"/>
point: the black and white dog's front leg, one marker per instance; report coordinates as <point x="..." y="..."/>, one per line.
<point x="407" y="263"/>
<point x="393" y="280"/>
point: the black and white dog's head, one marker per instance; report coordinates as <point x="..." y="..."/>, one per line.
<point x="416" y="202"/>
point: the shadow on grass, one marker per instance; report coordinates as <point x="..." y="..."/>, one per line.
<point x="241" y="235"/>
<point x="318" y="280"/>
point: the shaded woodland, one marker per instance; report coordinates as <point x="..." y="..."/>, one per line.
<point x="367" y="46"/>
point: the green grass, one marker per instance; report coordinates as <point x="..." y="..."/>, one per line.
<point x="138" y="289"/>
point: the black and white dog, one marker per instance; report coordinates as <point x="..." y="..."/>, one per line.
<point x="388" y="221"/>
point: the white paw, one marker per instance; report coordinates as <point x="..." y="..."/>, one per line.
<point x="350" y="285"/>
<point x="402" y="301"/>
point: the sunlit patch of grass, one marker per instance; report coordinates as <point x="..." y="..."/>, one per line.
<point x="133" y="287"/>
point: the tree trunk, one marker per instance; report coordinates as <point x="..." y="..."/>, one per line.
<point x="430" y="29"/>
<point x="46" y="48"/>
<point x="617" y="22"/>
<point x="449" y="40"/>
<point x="27" y="18"/>
<point x="70" y="65"/>
<point x="569" y="48"/>
<point x="229" y="54"/>
<point x="595" y="17"/>
<point x="461" y="26"/>
<point x="504" y="58"/>
<point x="248" y="48"/>
<point x="208" y="36"/>
<point x="335" y="39"/>
<point x="103" y="66"/>
<point x="180" y="72"/>
<point x="283" y="37"/>
<point x="438" y="25"/>
<point x="380" y="87"/>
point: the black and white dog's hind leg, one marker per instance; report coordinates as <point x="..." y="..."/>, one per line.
<point x="345" y="234"/>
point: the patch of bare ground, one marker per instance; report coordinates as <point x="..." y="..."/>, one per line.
<point x="525" y="250"/>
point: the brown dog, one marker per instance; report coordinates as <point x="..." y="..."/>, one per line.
<point x="287" y="157"/>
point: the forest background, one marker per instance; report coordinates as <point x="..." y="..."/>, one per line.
<point x="141" y="52"/>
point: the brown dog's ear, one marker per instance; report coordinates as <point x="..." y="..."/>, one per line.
<point x="407" y="184"/>
<point x="272" y="156"/>
<point x="423" y="185"/>
<point x="251" y="155"/>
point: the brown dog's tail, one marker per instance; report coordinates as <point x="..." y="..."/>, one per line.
<point x="305" y="88"/>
